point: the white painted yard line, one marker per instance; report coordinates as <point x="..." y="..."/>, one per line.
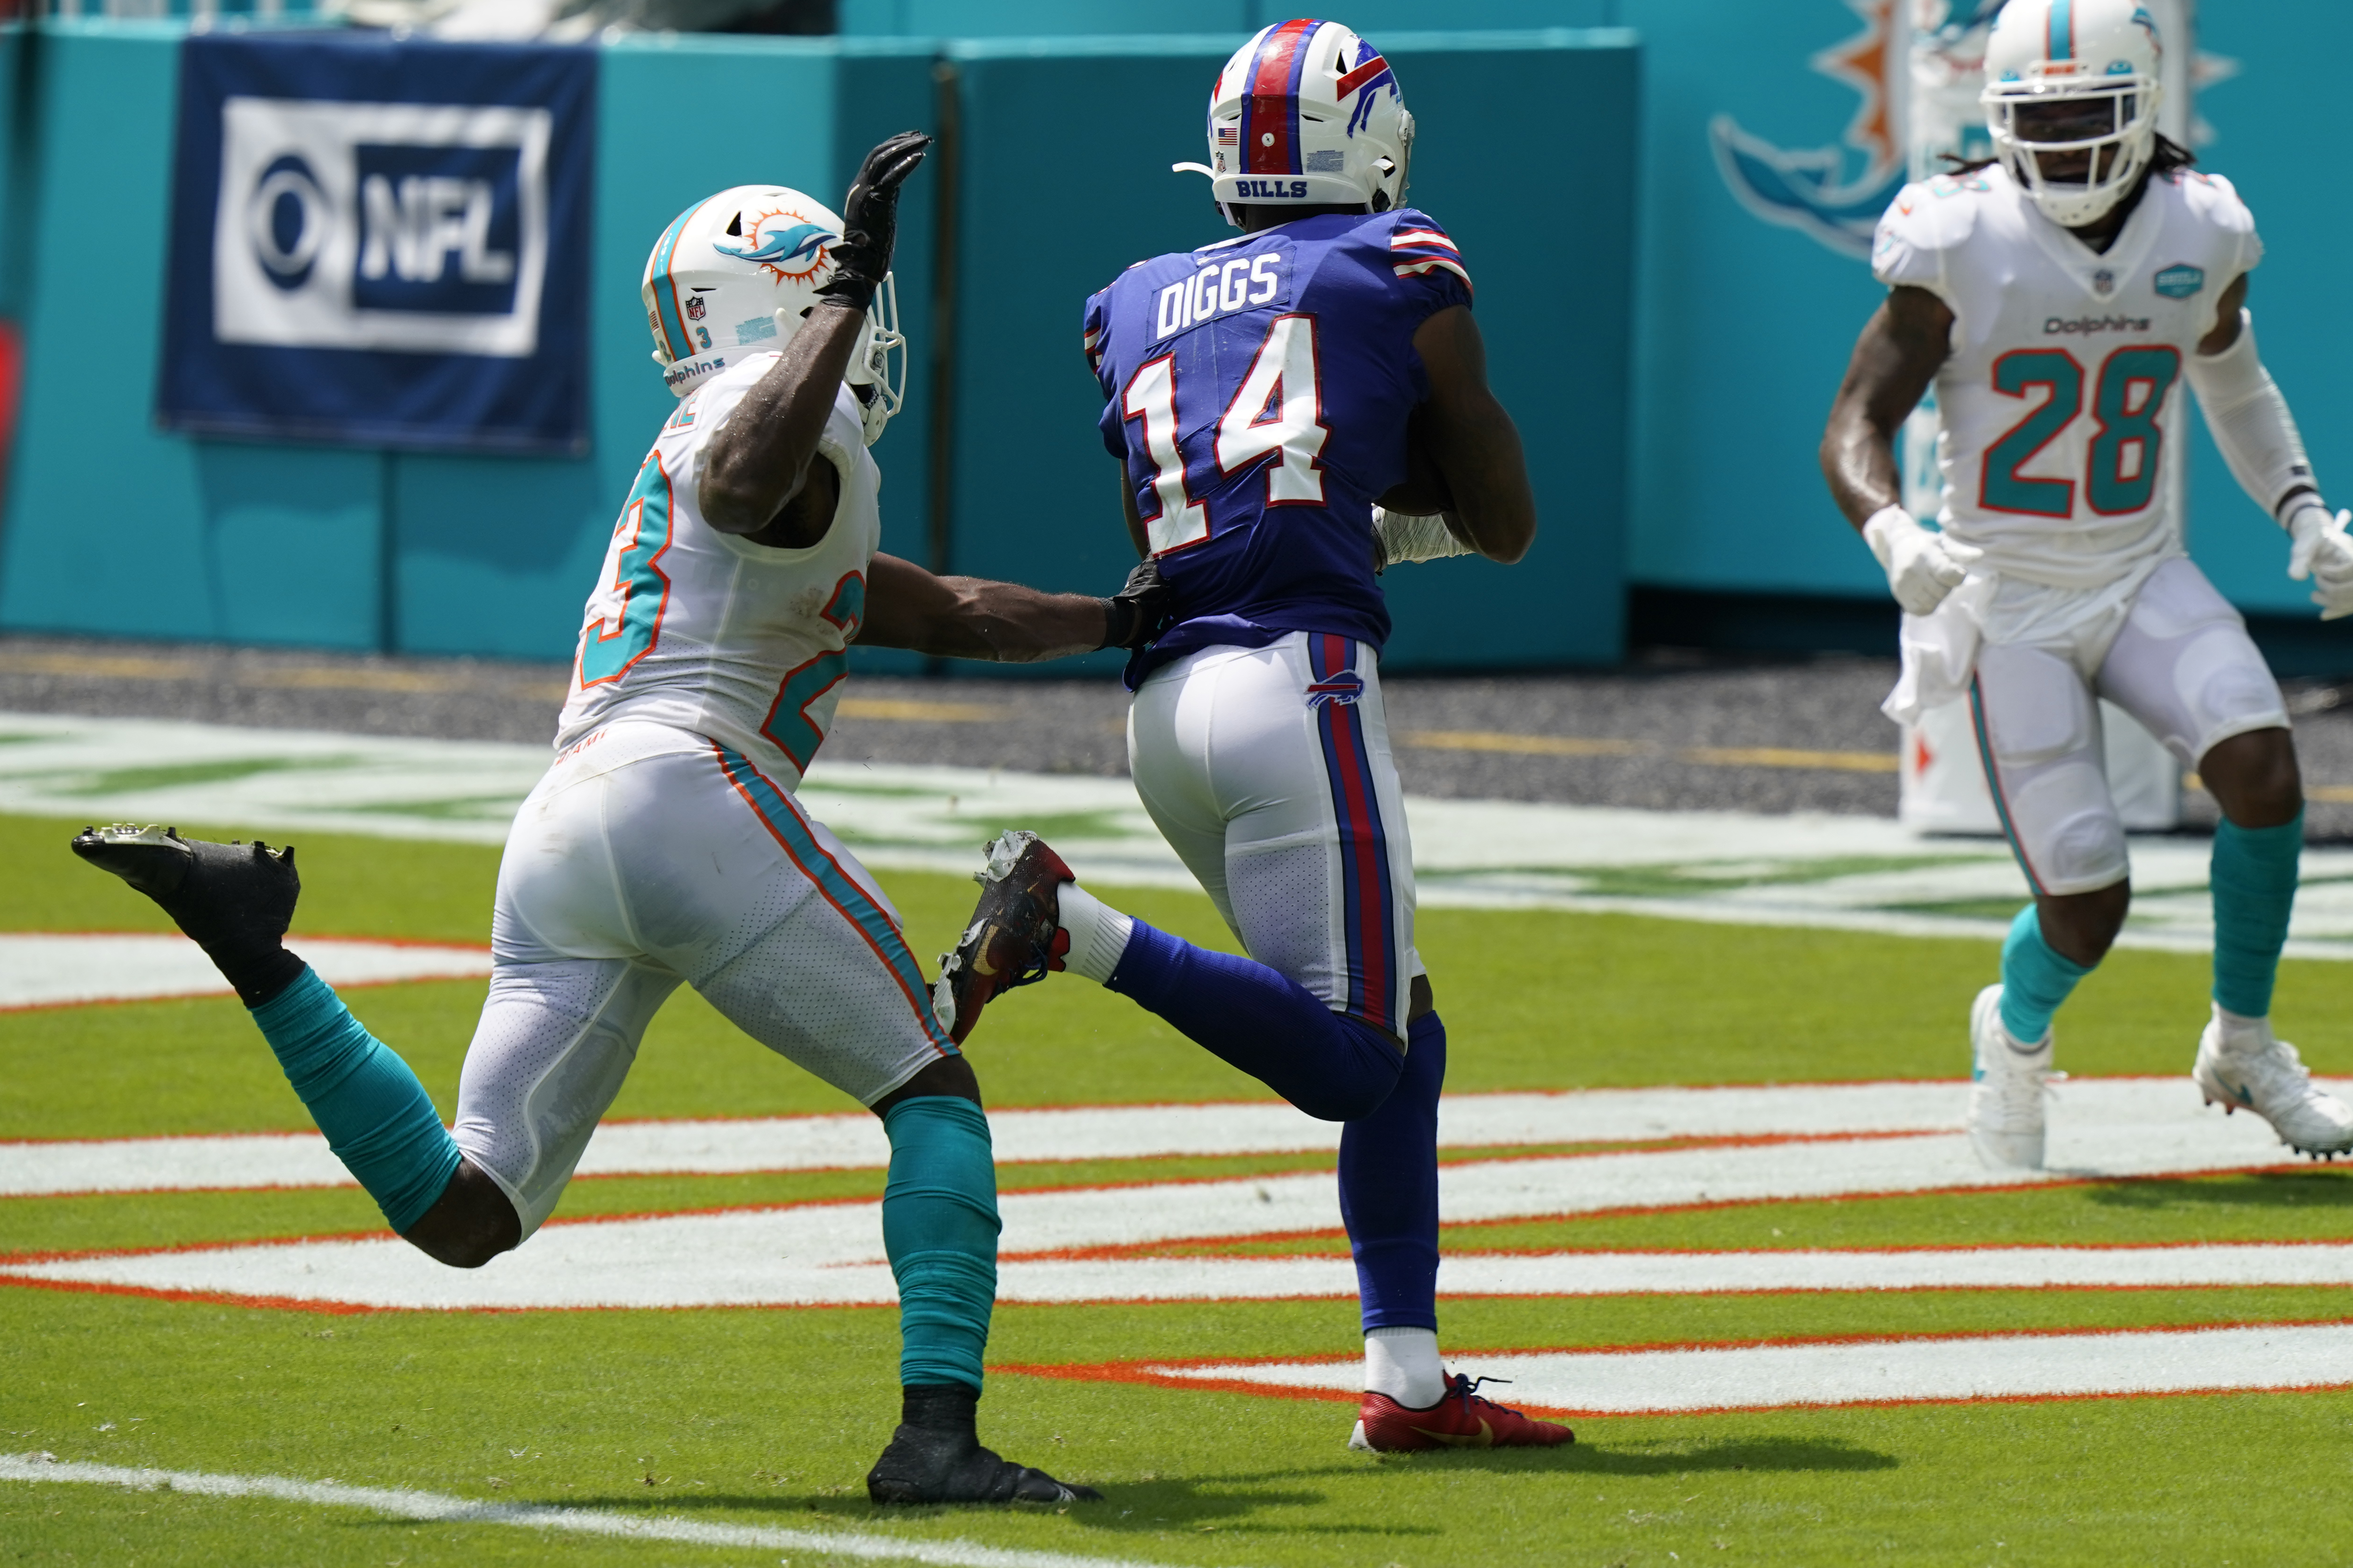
<point x="831" y="1253"/>
<point x="855" y="1141"/>
<point x="1725" y="867"/>
<point x="438" y="1507"/>
<point x="50" y="969"/>
<point x="1870" y="1372"/>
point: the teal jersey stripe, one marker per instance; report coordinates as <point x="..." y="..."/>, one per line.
<point x="784" y="822"/>
<point x="2062" y="29"/>
<point x="674" y="336"/>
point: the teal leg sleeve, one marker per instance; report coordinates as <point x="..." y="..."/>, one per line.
<point x="939" y="1228"/>
<point x="377" y="1118"/>
<point x="2035" y="978"/>
<point x="2255" y="889"/>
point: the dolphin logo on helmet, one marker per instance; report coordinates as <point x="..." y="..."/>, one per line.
<point x="745" y="266"/>
<point x="790" y="245"/>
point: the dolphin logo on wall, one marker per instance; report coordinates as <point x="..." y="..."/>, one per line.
<point x="1822" y="191"/>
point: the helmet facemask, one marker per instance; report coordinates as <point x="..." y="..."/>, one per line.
<point x="2074" y="166"/>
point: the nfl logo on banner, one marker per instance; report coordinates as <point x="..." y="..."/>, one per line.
<point x="380" y="243"/>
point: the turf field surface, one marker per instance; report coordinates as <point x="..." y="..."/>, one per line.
<point x="764" y="1419"/>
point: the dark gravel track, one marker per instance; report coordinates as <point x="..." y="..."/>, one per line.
<point x="1454" y="735"/>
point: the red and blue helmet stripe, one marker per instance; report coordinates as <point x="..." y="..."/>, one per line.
<point x="1270" y="99"/>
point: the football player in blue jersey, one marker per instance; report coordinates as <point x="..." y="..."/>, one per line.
<point x="1292" y="409"/>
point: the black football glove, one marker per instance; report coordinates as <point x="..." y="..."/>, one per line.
<point x="1140" y="611"/>
<point x="869" y="220"/>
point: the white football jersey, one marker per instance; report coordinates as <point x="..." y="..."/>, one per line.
<point x="707" y="632"/>
<point x="2065" y="383"/>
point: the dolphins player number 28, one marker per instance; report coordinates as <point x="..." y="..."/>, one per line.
<point x="2121" y="472"/>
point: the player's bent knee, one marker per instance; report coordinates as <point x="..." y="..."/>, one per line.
<point x="470" y="1222"/>
<point x="2254" y="777"/>
<point x="950" y="1076"/>
<point x="2084" y="926"/>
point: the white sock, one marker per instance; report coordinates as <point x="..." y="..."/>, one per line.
<point x="2240" y="1033"/>
<point x="1403" y="1363"/>
<point x="1098" y="933"/>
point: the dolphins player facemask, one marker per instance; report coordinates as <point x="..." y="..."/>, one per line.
<point x="2100" y="57"/>
<point x="1306" y="113"/>
<point x="733" y="275"/>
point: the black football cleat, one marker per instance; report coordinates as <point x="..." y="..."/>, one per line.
<point x="1015" y="935"/>
<point x="235" y="900"/>
<point x="929" y="1465"/>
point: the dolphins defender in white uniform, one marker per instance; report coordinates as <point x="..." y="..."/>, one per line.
<point x="2057" y="297"/>
<point x="666" y="846"/>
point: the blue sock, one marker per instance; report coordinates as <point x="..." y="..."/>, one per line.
<point x="377" y="1118"/>
<point x="1327" y="1064"/>
<point x="2254" y="875"/>
<point x="1388" y="1189"/>
<point x="2035" y="978"/>
<point x="939" y="1229"/>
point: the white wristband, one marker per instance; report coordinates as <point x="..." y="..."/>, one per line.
<point x="1883" y="528"/>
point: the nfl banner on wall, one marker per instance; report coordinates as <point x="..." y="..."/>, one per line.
<point x="380" y="243"/>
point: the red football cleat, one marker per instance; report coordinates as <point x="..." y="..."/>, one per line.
<point x="1461" y="1420"/>
<point x="1015" y="935"/>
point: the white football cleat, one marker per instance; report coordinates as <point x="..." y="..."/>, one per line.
<point x="2006" y="1093"/>
<point x="2244" y="1065"/>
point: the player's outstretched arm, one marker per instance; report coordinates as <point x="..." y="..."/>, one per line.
<point x="2252" y="424"/>
<point x="977" y="617"/>
<point x="1474" y="441"/>
<point x="1896" y="357"/>
<point x="759" y="461"/>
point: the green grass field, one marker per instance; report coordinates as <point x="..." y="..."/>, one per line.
<point x="771" y="1417"/>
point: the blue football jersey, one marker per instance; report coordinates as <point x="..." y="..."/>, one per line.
<point x="1258" y="391"/>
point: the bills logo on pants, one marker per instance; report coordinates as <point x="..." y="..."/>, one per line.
<point x="1269" y="772"/>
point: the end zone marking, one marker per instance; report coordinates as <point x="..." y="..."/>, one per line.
<point x="439" y="1509"/>
<point x="1943" y="1368"/>
<point x="67" y="969"/>
<point x="855" y="1141"/>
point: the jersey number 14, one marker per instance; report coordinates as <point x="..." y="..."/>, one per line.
<point x="1277" y="410"/>
<point x="2122" y="471"/>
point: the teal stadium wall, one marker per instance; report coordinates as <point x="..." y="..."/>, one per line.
<point x="1035" y="494"/>
<point x="355" y="549"/>
<point x="491" y="557"/>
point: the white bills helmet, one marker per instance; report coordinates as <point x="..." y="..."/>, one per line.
<point x="732" y="275"/>
<point x="2103" y="52"/>
<point x="1307" y="113"/>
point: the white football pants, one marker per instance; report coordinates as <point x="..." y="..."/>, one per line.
<point x="648" y="856"/>
<point x="1268" y="771"/>
<point x="2182" y="664"/>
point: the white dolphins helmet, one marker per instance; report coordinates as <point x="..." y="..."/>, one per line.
<point x="2075" y="51"/>
<point x="1307" y="113"/>
<point x="733" y="274"/>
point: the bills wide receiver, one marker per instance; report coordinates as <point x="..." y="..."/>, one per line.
<point x="666" y="844"/>
<point x="1262" y="394"/>
<point x="2057" y="297"/>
